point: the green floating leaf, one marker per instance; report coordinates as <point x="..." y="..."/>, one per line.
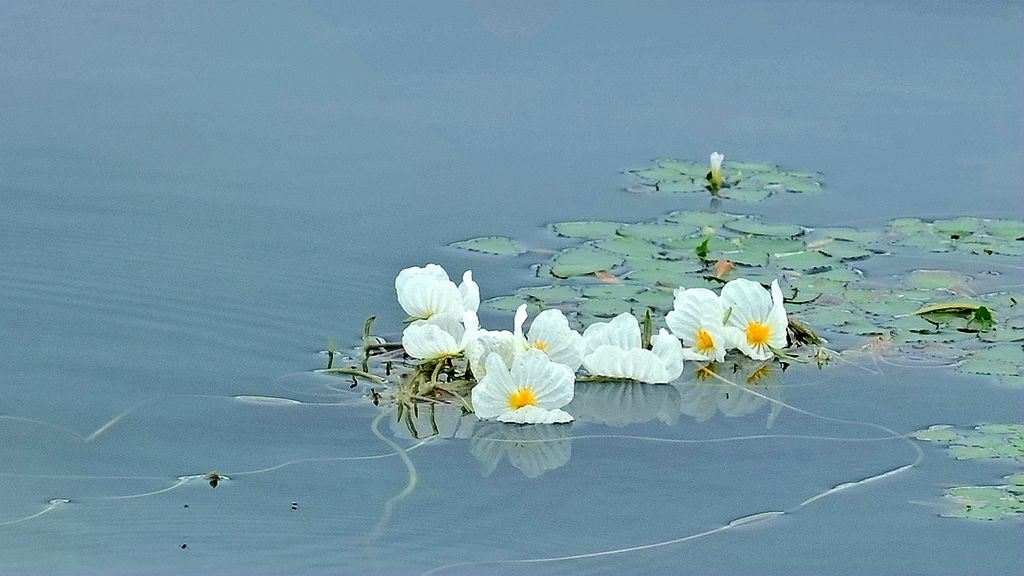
<point x="999" y="360"/>
<point x="496" y="245"/>
<point x="962" y="226"/>
<point x="948" y="280"/>
<point x="744" y="181"/>
<point x="809" y="261"/>
<point x="843" y="250"/>
<point x="751" y="226"/>
<point x="986" y="502"/>
<point x="883" y="303"/>
<point x="604" y="308"/>
<point x="551" y="295"/>
<point x="839" y="320"/>
<point x="505" y="303"/>
<point x="1005" y="229"/>
<point x="612" y="291"/>
<point x="702" y="249"/>
<point x="586" y="229"/>
<point x="957" y="309"/>
<point x="700" y="219"/>
<point x="849" y="234"/>
<point x="632" y="247"/>
<point x="990" y="441"/>
<point x="656" y="231"/>
<point x="745" y="194"/>
<point x="937" y="433"/>
<point x="583" y="260"/>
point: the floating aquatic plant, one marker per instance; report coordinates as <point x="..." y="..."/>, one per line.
<point x="988" y="442"/>
<point x="526" y="377"/>
<point x="740" y="181"/>
<point x="635" y="267"/>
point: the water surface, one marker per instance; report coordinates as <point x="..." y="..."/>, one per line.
<point x="196" y="196"/>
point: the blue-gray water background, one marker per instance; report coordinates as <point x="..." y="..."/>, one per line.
<point x="194" y="196"/>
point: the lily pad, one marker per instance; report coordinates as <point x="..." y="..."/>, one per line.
<point x="495" y="245"/>
<point x="582" y="261"/>
<point x="752" y="226"/>
<point x="849" y="234"/>
<point x="987" y="502"/>
<point x="1003" y="359"/>
<point x="989" y="441"/>
<point x="843" y="250"/>
<point x="550" y="295"/>
<point x="586" y="229"/>
<point x="744" y="181"/>
<point x="947" y="280"/>
<point x="700" y="219"/>
<point x="504" y="303"/>
<point x="658" y="231"/>
<point x="809" y="261"/>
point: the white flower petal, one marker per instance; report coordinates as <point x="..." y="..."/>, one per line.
<point x="424" y="294"/>
<point x="748" y="301"/>
<point x="669" y="351"/>
<point x="429" y="271"/>
<point x="552" y="384"/>
<point x="777" y="318"/>
<point x="716" y="161"/>
<point x="487" y="342"/>
<point x="490" y="395"/>
<point x="536" y="415"/>
<point x="551" y="333"/>
<point x="469" y="292"/>
<point x="622" y="332"/>
<point x="636" y="364"/>
<point x="519" y="320"/>
<point x="696" y="311"/>
<point x="428" y="340"/>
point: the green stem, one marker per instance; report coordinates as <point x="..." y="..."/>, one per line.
<point x="355" y="372"/>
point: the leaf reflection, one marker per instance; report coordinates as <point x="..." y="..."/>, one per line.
<point x="420" y="420"/>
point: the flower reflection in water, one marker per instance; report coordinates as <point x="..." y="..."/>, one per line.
<point x="533" y="448"/>
<point x="622" y="403"/>
<point x="704" y="392"/>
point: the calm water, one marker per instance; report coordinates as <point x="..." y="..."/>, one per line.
<point x="195" y="196"/>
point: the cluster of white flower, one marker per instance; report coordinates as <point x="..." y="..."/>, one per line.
<point x="528" y="377"/>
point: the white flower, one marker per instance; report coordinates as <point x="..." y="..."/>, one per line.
<point x="530" y="393"/>
<point x="490" y="342"/>
<point x="501" y="342"/>
<point x="441" y="336"/>
<point x="427" y="292"/>
<point x="614" y="349"/>
<point x="760" y="318"/>
<point x="697" y="320"/>
<point x="715" y="176"/>
<point x="550" y="333"/>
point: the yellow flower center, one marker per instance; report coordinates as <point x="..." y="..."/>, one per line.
<point x="758" y="334"/>
<point x="705" y="342"/>
<point x="541" y="345"/>
<point x="522" y="397"/>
